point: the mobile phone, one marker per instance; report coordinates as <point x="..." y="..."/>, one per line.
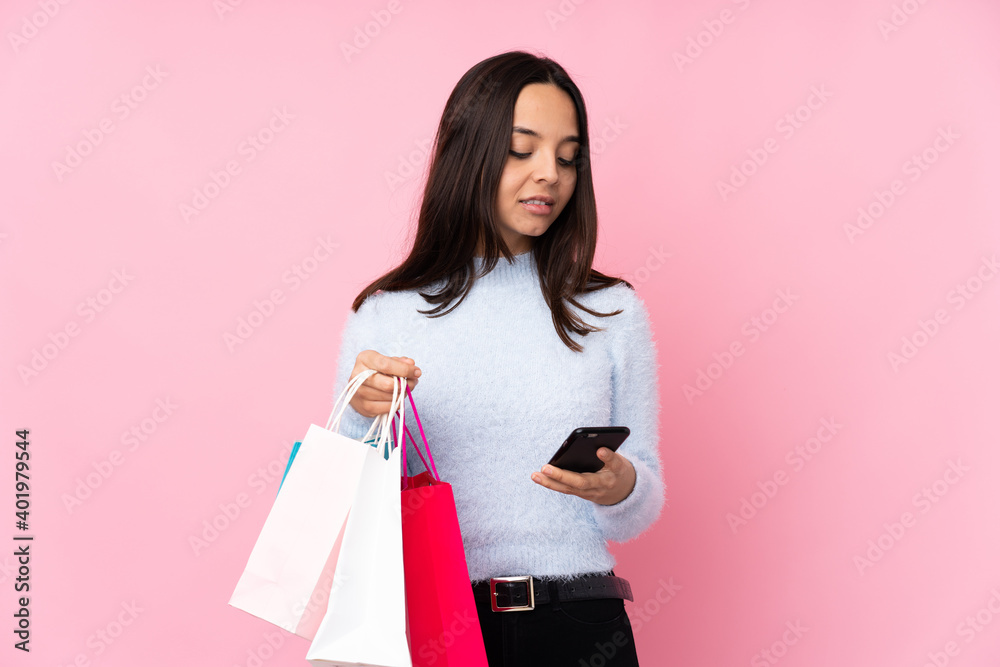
<point x="579" y="451"/>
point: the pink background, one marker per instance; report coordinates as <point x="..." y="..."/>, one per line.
<point x="705" y="263"/>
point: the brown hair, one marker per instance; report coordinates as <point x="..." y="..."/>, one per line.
<point x="459" y="200"/>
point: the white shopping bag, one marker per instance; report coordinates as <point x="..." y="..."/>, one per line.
<point x="365" y="621"/>
<point x="288" y="576"/>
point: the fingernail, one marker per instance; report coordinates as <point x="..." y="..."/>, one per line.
<point x="547" y="470"/>
<point x="417" y="373"/>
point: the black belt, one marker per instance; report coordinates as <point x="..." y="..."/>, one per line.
<point x="522" y="593"/>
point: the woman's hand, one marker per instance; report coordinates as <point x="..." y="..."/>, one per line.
<point x="608" y="486"/>
<point x="374" y="396"/>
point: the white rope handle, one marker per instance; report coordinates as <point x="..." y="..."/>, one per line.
<point x="381" y="434"/>
<point x="384" y="421"/>
<point x="382" y="424"/>
<point x="333" y="424"/>
<point x="400" y="440"/>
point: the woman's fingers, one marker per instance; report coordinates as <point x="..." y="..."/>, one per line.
<point x="607" y="486"/>
<point x="394" y="366"/>
<point x="374" y="396"/>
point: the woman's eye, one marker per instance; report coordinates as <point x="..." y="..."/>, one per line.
<point x="564" y="162"/>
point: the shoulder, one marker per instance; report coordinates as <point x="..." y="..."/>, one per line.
<point x="383" y="304"/>
<point x="630" y="336"/>
<point x="634" y="312"/>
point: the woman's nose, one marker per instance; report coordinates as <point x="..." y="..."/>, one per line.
<point x="546" y="168"/>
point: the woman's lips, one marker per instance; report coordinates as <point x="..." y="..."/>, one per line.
<point x="536" y="208"/>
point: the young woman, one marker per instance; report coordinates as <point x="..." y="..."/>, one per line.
<point x="493" y="301"/>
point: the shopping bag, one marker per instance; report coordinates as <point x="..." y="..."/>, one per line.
<point x="440" y="607"/>
<point x="365" y="620"/>
<point x="290" y="570"/>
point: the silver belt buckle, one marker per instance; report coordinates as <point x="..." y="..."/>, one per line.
<point x="531" y="593"/>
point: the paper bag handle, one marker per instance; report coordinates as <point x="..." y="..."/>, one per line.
<point x="333" y="424"/>
<point x="385" y="440"/>
<point x="432" y="468"/>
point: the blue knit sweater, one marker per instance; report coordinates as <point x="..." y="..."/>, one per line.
<point x="499" y="392"/>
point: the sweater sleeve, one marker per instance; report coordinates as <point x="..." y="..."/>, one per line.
<point x="635" y="403"/>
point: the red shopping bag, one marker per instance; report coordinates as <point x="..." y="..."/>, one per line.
<point x="442" y="620"/>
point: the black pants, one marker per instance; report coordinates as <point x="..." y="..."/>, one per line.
<point x="574" y="633"/>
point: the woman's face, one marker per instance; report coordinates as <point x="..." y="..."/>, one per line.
<point x="540" y="165"/>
